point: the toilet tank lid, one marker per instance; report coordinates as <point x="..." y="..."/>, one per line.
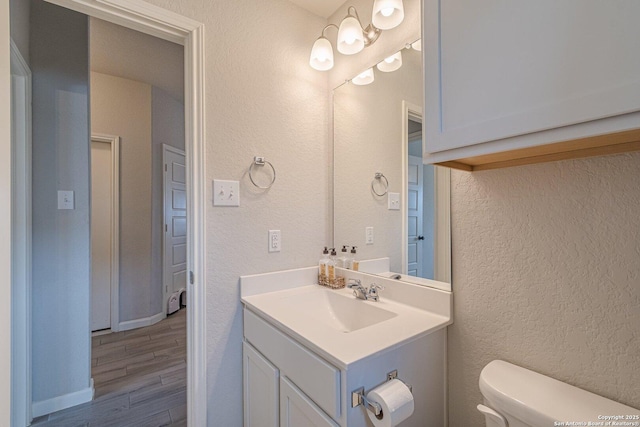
<point x="537" y="399"/>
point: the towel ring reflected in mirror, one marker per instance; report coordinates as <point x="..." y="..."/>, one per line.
<point x="379" y="176"/>
<point x="260" y="161"/>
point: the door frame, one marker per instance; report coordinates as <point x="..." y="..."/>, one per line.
<point x="21" y="238"/>
<point x="442" y="219"/>
<point x="162" y="23"/>
<point x="114" y="141"/>
<point x="165" y="275"/>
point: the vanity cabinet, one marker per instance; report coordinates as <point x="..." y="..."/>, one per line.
<point x="261" y="389"/>
<point x="516" y="82"/>
<point x="297" y="410"/>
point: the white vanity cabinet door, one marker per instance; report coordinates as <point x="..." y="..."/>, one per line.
<point x="261" y="392"/>
<point x="511" y="73"/>
<point x="297" y="410"/>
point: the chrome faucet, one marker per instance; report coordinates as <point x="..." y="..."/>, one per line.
<point x="361" y="292"/>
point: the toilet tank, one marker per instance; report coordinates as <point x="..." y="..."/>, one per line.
<point x="526" y="398"/>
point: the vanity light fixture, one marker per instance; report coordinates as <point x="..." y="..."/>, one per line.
<point x="391" y="63"/>
<point x="364" y="78"/>
<point x="353" y="37"/>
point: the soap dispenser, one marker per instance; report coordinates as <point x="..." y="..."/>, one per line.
<point x="331" y="269"/>
<point x="343" y="261"/>
<point x="323" y="265"/>
<point x="355" y="264"/>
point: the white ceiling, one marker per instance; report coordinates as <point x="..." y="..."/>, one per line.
<point x="323" y="8"/>
<point x="132" y="55"/>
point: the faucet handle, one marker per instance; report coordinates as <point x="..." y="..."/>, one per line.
<point x="354" y="283"/>
<point x="374" y="288"/>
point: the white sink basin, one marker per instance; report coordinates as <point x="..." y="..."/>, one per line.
<point x="341" y="312"/>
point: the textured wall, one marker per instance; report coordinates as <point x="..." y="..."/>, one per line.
<point x="368" y="139"/>
<point x="61" y="238"/>
<point x="545" y="275"/>
<point x="122" y="107"/>
<point x="262" y="98"/>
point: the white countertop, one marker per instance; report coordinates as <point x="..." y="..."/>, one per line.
<point x="412" y="319"/>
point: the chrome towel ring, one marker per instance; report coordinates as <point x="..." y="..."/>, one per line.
<point x="380" y="176"/>
<point x="260" y="161"/>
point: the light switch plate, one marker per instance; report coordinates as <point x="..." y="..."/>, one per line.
<point x="394" y="201"/>
<point x="65" y="199"/>
<point x="226" y="193"/>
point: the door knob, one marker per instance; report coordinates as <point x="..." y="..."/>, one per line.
<point x="420" y="237"/>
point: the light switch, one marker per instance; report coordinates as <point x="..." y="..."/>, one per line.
<point x="368" y="235"/>
<point x="274" y="241"/>
<point x="226" y="193"/>
<point x="394" y="201"/>
<point x="65" y="199"/>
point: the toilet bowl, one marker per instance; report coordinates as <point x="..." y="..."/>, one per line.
<point x="518" y="397"/>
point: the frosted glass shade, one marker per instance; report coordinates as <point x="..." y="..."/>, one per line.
<point x="350" y="36"/>
<point x="417" y="45"/>
<point x="387" y="14"/>
<point x="321" y="55"/>
<point x="391" y="63"/>
<point x="364" y="78"/>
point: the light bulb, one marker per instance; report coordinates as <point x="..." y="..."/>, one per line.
<point x="387" y="14"/>
<point x="387" y="11"/>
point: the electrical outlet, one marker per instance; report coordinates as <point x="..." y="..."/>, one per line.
<point x="275" y="241"/>
<point x="226" y="193"/>
<point x="368" y="235"/>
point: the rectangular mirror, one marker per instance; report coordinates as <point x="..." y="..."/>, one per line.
<point x="386" y="202"/>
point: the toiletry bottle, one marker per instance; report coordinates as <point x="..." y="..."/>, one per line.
<point x="343" y="261"/>
<point x="355" y="264"/>
<point x="323" y="268"/>
<point x="331" y="269"/>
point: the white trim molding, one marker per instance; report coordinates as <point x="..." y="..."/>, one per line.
<point x="65" y="401"/>
<point x="156" y="21"/>
<point x="114" y="141"/>
<point x="142" y="322"/>
<point x="21" y="231"/>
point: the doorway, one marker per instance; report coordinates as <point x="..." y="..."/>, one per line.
<point x="105" y="240"/>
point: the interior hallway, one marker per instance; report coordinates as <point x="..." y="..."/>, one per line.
<point x="139" y="378"/>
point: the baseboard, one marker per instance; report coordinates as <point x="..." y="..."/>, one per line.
<point x="65" y="401"/>
<point x="140" y="323"/>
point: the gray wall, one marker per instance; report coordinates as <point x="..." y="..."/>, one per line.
<point x="167" y="127"/>
<point x="61" y="245"/>
<point x="546" y="276"/>
<point x="20" y="10"/>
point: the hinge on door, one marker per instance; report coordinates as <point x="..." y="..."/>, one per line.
<point x="166" y="228"/>
<point x="165" y="167"/>
<point x="191" y="277"/>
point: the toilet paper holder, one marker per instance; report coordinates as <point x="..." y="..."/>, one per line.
<point x="358" y="396"/>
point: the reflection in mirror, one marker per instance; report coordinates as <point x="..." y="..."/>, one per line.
<point x="386" y="202"/>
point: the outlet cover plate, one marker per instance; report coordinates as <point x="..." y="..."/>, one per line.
<point x="394" y="201"/>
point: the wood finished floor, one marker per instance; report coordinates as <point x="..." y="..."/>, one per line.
<point x="139" y="377"/>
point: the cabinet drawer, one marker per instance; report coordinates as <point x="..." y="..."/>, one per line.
<point x="315" y="377"/>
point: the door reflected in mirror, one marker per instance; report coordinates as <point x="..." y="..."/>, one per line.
<point x="386" y="202"/>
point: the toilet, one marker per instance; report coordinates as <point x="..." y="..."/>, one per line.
<point x="518" y="397"/>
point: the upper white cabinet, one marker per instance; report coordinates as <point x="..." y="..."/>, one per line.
<point x="529" y="78"/>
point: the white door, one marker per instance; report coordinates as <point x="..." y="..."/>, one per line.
<point x="260" y="389"/>
<point x="101" y="235"/>
<point x="297" y="410"/>
<point x="174" y="275"/>
<point x="414" y="217"/>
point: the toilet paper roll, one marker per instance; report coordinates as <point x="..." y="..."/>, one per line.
<point x="396" y="401"/>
